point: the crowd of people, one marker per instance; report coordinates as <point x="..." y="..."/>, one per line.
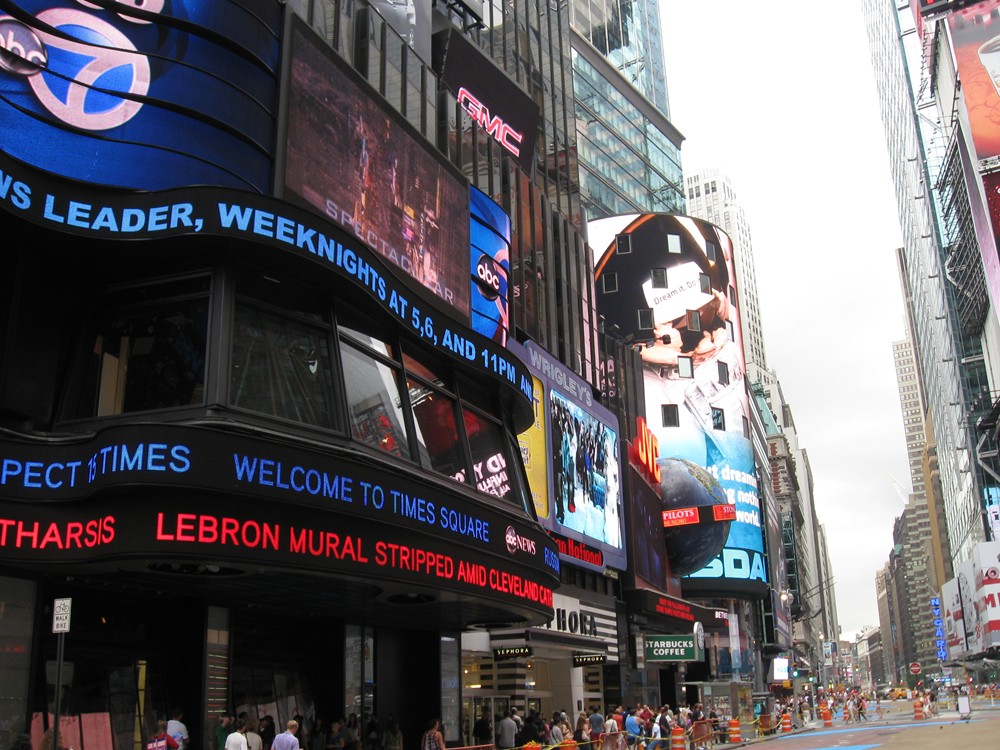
<point x="243" y="732"/>
<point x="619" y="729"/>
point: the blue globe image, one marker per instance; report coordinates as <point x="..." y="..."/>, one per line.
<point x="684" y="484"/>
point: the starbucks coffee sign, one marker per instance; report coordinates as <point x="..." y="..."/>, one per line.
<point x="675" y="647"/>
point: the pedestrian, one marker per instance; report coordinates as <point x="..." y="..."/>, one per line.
<point x="177" y="729"/>
<point x="287" y="739"/>
<point x="506" y="731"/>
<point x="371" y="741"/>
<point x="482" y="730"/>
<point x="237" y="739"/>
<point x="392" y="739"/>
<point x="432" y="739"/>
<point x="222" y="731"/>
<point x="266" y="731"/>
<point x="161" y="740"/>
<point x="254" y="740"/>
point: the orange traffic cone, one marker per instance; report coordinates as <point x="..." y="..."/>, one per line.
<point x="735" y="734"/>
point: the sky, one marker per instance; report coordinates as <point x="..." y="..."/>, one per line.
<point x="781" y="97"/>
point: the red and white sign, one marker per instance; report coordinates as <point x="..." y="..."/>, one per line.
<point x="680" y="517"/>
<point x="915" y="668"/>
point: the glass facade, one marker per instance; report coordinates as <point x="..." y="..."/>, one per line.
<point x="628" y="161"/>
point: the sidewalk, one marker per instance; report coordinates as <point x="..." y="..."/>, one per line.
<point x="899" y="712"/>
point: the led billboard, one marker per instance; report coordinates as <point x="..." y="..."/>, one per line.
<point x="582" y="502"/>
<point x="668" y="283"/>
<point x="489" y="259"/>
<point x="493" y="102"/>
<point x="976" y="42"/>
<point x="142" y="95"/>
<point x="351" y="158"/>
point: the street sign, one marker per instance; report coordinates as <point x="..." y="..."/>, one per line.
<point x="61" y="610"/>
<point x="915" y="667"/>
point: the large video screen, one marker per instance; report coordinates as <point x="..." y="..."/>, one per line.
<point x="582" y="501"/>
<point x="669" y="283"/>
<point x="352" y="159"/>
<point x="489" y="258"/>
<point x="148" y="95"/>
<point x="976" y="44"/>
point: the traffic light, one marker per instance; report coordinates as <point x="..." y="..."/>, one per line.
<point x="795" y="673"/>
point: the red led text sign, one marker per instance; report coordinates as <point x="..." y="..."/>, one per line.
<point x="646" y="451"/>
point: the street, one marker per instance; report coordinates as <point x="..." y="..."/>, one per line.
<point x="898" y="729"/>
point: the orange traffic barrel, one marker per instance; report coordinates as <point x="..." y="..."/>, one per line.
<point x="918" y="709"/>
<point x="735" y="735"/>
<point x="786" y="722"/>
<point x="677" y="739"/>
<point x="827" y="717"/>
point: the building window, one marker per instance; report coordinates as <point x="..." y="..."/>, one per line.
<point x="609" y="283"/>
<point x="718" y="419"/>
<point x="623" y="244"/>
<point x="149" y="351"/>
<point x="658" y="278"/>
<point x="674" y="244"/>
<point x="705" y="283"/>
<point x="281" y="367"/>
<point x="645" y="319"/>
<point x="711" y="251"/>
<point x="746" y="428"/>
<point x="723" y="373"/>
<point x="670" y="415"/>
<point x="685" y="367"/>
<point x="693" y="320"/>
<point x="732" y="295"/>
<point x="374" y="400"/>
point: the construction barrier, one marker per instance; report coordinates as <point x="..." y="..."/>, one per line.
<point x="918" y="709"/>
<point x="677" y="740"/>
<point x="735" y="735"/>
<point x="827" y="717"/>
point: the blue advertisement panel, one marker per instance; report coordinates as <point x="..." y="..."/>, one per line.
<point x="150" y="95"/>
<point x="489" y="258"/>
<point x="582" y="504"/>
<point x="669" y="282"/>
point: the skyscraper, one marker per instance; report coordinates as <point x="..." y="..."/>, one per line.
<point x="711" y="196"/>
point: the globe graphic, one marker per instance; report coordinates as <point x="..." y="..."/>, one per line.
<point x="685" y="484"/>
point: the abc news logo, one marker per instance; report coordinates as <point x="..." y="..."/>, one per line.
<point x="21" y="51"/>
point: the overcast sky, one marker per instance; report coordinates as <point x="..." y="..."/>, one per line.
<point x="781" y="96"/>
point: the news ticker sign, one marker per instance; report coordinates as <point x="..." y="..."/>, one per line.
<point x="50" y="484"/>
<point x="699" y="514"/>
<point x="109" y="214"/>
<point x="674" y="648"/>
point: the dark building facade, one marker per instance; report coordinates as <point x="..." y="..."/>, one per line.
<point x="257" y="417"/>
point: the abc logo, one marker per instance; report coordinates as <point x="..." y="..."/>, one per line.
<point x="21" y="51"/>
<point x="489" y="276"/>
<point x="98" y="62"/>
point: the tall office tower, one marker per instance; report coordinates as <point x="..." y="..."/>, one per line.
<point x="711" y="196"/>
<point x="629" y="152"/>
<point x="918" y="434"/>
<point x="940" y="259"/>
<point x="809" y="572"/>
<point x="888" y="622"/>
<point x="912" y="563"/>
<point x="911" y="405"/>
